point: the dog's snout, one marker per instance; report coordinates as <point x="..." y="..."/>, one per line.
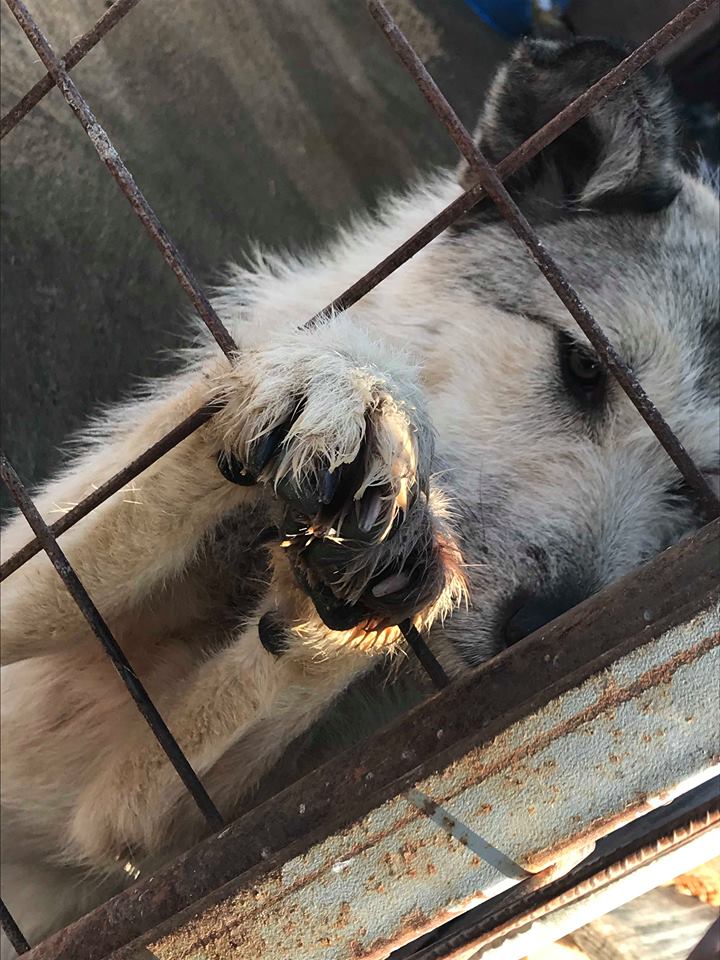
<point x="530" y="612"/>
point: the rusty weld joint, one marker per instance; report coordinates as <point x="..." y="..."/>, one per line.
<point x="75" y="54"/>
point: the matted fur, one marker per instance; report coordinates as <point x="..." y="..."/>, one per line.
<point x="447" y="380"/>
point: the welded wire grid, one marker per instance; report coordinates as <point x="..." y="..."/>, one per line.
<point x="489" y="186"/>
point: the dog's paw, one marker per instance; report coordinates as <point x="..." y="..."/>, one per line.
<point x="343" y="441"/>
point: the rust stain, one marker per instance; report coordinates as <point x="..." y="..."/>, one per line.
<point x="476" y="771"/>
<point x="343" y="917"/>
<point x="612" y="697"/>
<point x="538" y="860"/>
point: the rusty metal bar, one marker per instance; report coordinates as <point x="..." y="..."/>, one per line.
<point x="122" y="176"/>
<point x="106" y="151"/>
<point x="171" y="254"/>
<point x="510" y="211"/>
<point x="627" y="850"/>
<point x="113" y="485"/>
<point x="427" y="658"/>
<point x="562" y="121"/>
<point x="71" y="59"/>
<point x="439" y="844"/>
<point x="12" y="930"/>
<point x="458" y="208"/>
<point x="440" y="739"/>
<point x="88" y="609"/>
<point x="183" y="430"/>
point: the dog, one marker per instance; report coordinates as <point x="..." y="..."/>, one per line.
<point x="449" y="451"/>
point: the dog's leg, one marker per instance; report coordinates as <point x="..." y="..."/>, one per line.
<point x="142" y="537"/>
<point x="242" y="697"/>
<point x="343" y="442"/>
<point x="333" y="424"/>
<point x="302" y="411"/>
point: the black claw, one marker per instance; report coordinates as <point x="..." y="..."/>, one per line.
<point x="372" y="515"/>
<point x="402" y="590"/>
<point x="369" y="512"/>
<point x="367" y="520"/>
<point x="273" y="635"/>
<point x="293" y="525"/>
<point x="234" y="471"/>
<point x="301" y="498"/>
<point x="266" y="536"/>
<point x="313" y="495"/>
<point x="326" y="558"/>
<point x="267" y="446"/>
<point x="334" y="613"/>
<point x="337" y="615"/>
<point x="329" y="480"/>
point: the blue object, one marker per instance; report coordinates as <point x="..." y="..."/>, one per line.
<point x="514" y="18"/>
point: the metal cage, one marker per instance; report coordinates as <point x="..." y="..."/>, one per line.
<point x="442" y="749"/>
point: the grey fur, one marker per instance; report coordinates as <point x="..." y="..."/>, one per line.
<point x="624" y="155"/>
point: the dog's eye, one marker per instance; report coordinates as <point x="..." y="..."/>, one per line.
<point x="583" y="367"/>
<point x="582" y="372"/>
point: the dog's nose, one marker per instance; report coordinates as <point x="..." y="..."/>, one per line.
<point x="530" y="613"/>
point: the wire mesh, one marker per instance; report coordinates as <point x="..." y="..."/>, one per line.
<point x="546" y="135"/>
<point x="98" y="626"/>
<point x="489" y="187"/>
<point x="71" y="59"/>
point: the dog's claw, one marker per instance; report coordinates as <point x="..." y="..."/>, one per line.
<point x="392" y="584"/>
<point x="261" y="452"/>
<point x="334" y="613"/>
<point x="267" y="446"/>
<point x="366" y="521"/>
<point x="326" y="558"/>
<point x="326" y="521"/>
<point x="234" y="471"/>
<point x="329" y="480"/>
<point x="272" y="634"/>
<point x="370" y="507"/>
<point x="301" y="498"/>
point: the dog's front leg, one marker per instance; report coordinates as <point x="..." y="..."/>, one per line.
<point x="141" y="538"/>
<point x="333" y="425"/>
<point x="243" y="697"/>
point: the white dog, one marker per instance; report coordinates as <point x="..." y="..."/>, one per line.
<point x="450" y="438"/>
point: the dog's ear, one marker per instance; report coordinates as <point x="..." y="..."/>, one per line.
<point x="623" y="156"/>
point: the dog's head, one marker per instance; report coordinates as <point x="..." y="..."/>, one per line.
<point x="563" y="487"/>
